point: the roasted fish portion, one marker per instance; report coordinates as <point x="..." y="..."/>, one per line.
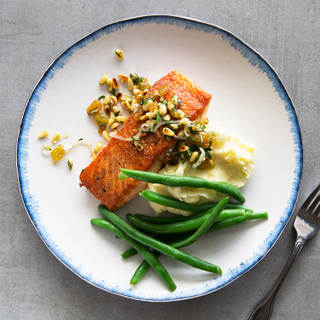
<point x="101" y="176"/>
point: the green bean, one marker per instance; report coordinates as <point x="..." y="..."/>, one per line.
<point x="143" y="250"/>
<point x="176" y="227"/>
<point x="161" y="237"/>
<point x="259" y="215"/>
<point x="142" y="269"/>
<point x="179" y="181"/>
<point x="225" y="214"/>
<point x="223" y="224"/>
<point x="177" y="204"/>
<point x="157" y="245"/>
<point x="229" y="222"/>
<point x="237" y="220"/>
<point x="211" y="218"/>
<point x="129" y="253"/>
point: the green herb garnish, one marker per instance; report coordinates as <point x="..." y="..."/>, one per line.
<point x="136" y="142"/>
<point x="158" y="117"/>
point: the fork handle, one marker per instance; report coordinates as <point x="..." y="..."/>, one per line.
<point x="263" y="310"/>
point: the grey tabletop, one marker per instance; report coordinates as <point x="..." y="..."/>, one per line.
<point x="34" y="284"/>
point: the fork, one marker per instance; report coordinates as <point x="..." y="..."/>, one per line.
<point x="306" y="223"/>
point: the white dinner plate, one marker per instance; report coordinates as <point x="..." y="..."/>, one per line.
<point x="248" y="98"/>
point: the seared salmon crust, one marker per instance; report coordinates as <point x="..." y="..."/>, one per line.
<point x="101" y="176"/>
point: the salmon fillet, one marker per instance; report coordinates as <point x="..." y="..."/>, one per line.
<point x="101" y="176"/>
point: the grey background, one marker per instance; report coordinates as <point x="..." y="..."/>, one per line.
<point x="33" y="283"/>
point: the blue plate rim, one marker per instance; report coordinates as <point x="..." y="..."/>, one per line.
<point x="284" y="92"/>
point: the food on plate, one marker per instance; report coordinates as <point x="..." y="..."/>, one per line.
<point x="135" y="236"/>
<point x="184" y="241"/>
<point x="183" y="181"/>
<point x="119" y="54"/>
<point x="70" y="163"/>
<point x="172" y="232"/>
<point x="233" y="163"/>
<point x="55" y="138"/>
<point x="43" y="134"/>
<point x="113" y="118"/>
<point x="179" y="234"/>
<point x="180" y="226"/>
<point x="225" y="214"/>
<point x="171" y="202"/>
<point x="57" y="152"/>
<point x="188" y="225"/>
<point x="103" y="79"/>
<point x="139" y="144"/>
<point x="168" y="237"/>
<point x="202" y="167"/>
<point x="143" y="250"/>
<point x="181" y="240"/>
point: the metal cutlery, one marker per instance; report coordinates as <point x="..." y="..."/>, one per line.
<point x="306" y="223"/>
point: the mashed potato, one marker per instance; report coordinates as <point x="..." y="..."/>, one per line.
<point x="234" y="161"/>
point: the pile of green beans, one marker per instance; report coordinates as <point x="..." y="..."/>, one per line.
<point x="156" y="244"/>
<point x="163" y="243"/>
<point x="142" y="244"/>
<point x="169" y="234"/>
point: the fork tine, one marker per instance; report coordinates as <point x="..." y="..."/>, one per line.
<point x="317" y="212"/>
<point x="314" y="205"/>
<point x="310" y="199"/>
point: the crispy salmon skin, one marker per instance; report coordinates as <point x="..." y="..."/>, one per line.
<point x="101" y="176"/>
